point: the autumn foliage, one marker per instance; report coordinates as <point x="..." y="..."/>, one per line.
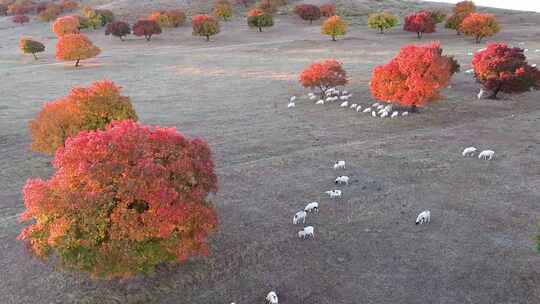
<point x="65" y="25"/>
<point x="29" y="46"/>
<point x="75" y="47"/>
<point x="118" y="29"/>
<point x="419" y="23"/>
<point x="222" y="9"/>
<point x="500" y="68"/>
<point x="437" y="15"/>
<point x="382" y="21"/>
<point x="20" y="19"/>
<point x="259" y="19"/>
<point x="146" y="28"/>
<point x="50" y="12"/>
<point x="268" y="6"/>
<point x="205" y="25"/>
<point x="97" y="17"/>
<point x="323" y="75"/>
<point x="414" y="77"/>
<point x="328" y="10"/>
<point x="308" y="12"/>
<point x="334" y="26"/>
<point x="122" y="201"/>
<point x="170" y="18"/>
<point x="460" y="12"/>
<point x="83" y="109"/>
<point x="479" y="26"/>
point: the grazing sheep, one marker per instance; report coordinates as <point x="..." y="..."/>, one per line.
<point x="342" y="180"/>
<point x="309" y="231"/>
<point x="375" y="105"/>
<point x="388" y="108"/>
<point x="374" y="114"/>
<point x="381" y="111"/>
<point x="344" y="97"/>
<point x="380" y="107"/>
<point x="469" y="151"/>
<point x="354" y="105"/>
<point x="521" y="43"/>
<point x="312" y="97"/>
<point x="312" y="207"/>
<point x="344" y="104"/>
<point x="358" y="108"/>
<point x="384" y="114"/>
<point x="469" y="71"/>
<point x="367" y="110"/>
<point x="272" y="298"/>
<point x="292" y="98"/>
<point x="424" y="217"/>
<point x="470" y="54"/>
<point x="299" y="216"/>
<point x="481" y="94"/>
<point x="537" y="51"/>
<point x="340" y="164"/>
<point x="344" y="92"/>
<point x="334" y="193"/>
<point x="405" y="113"/>
<point x="291" y="105"/>
<point x="525" y="50"/>
<point x="486" y="154"/>
<point x="533" y="65"/>
<point x="395" y="114"/>
<point x="320" y="102"/>
<point x="301" y="234"/>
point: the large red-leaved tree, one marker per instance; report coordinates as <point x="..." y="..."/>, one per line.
<point x="420" y="23"/>
<point x="323" y="75"/>
<point x="308" y="12"/>
<point x="122" y="201"/>
<point x="500" y="68"/>
<point x="414" y="77"/>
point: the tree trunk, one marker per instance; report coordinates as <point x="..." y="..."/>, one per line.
<point x="260" y="29"/>
<point x="77" y="63"/>
<point x="418" y="35"/>
<point x="333" y="38"/>
<point x="310" y="21"/>
<point x="35" y="57"/>
<point x="207" y="37"/>
<point x="121" y="39"/>
<point x="495" y="92"/>
<point x="148" y="37"/>
<point x="414" y="109"/>
<point x="478" y="39"/>
<point x="381" y="30"/>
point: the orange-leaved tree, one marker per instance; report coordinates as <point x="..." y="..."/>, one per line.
<point x="65" y="25"/>
<point x="460" y="12"/>
<point x="334" y="26"/>
<point x="89" y="108"/>
<point x="324" y="75"/>
<point x="222" y="9"/>
<point x="122" y="201"/>
<point x="414" y="77"/>
<point x="30" y="46"/>
<point x="205" y="25"/>
<point x="500" y="68"/>
<point x="479" y="26"/>
<point x="259" y="19"/>
<point x="75" y="47"/>
<point x="420" y="23"/>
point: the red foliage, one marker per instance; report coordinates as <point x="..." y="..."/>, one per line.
<point x="146" y="28"/>
<point x="419" y="23"/>
<point x="123" y="200"/>
<point x="118" y="29"/>
<point x="328" y="10"/>
<point x="500" y="68"/>
<point x="20" y="19"/>
<point x="414" y="77"/>
<point x="65" y="25"/>
<point x="308" y="12"/>
<point x="75" y="47"/>
<point x="205" y="25"/>
<point x="323" y="75"/>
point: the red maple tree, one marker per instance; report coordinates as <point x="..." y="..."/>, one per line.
<point x="420" y="23"/>
<point x="308" y="12"/>
<point x="324" y="75"/>
<point x="146" y="28"/>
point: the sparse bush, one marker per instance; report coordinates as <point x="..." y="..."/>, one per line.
<point x="479" y="26"/>
<point x="222" y="9"/>
<point x="308" y="12"/>
<point x="97" y="17"/>
<point x="83" y="109"/>
<point x="146" y="28"/>
<point x="176" y="17"/>
<point x="382" y="21"/>
<point x="323" y="75"/>
<point x="122" y="201"/>
<point x="328" y="10"/>
<point x="65" y="25"/>
<point x="20" y="19"/>
<point x="75" y="47"/>
<point x="84" y="22"/>
<point x="438" y="15"/>
<point x="268" y="6"/>
<point x="118" y="29"/>
<point x="259" y="19"/>
<point x="500" y="68"/>
<point x="419" y="23"/>
<point x="334" y="26"/>
<point x="205" y="25"/>
<point x="414" y="77"/>
<point x="29" y="46"/>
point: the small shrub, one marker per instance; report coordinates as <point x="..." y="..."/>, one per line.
<point x="65" y="25"/>
<point x="419" y="23"/>
<point x="118" y="29"/>
<point x="20" y="19"/>
<point x="500" y="68"/>
<point x="414" y="77"/>
<point x="83" y="109"/>
<point x="146" y="28"/>
<point x="96" y="17"/>
<point x="479" y="26"/>
<point x="308" y="12"/>
<point x="75" y="47"/>
<point x="334" y="26"/>
<point x="29" y="46"/>
<point x="222" y="9"/>
<point x="176" y="17"/>
<point x="328" y="10"/>
<point x="205" y="25"/>
<point x="259" y="19"/>
<point x="382" y="21"/>
<point x="323" y="75"/>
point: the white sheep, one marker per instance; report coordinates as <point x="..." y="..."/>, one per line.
<point x="342" y="180"/>
<point x="537" y="51"/>
<point x="292" y="98"/>
<point x="334" y="193"/>
<point x="405" y="113"/>
<point x="521" y="43"/>
<point x="344" y="92"/>
<point x="373" y="113"/>
<point x="291" y="105"/>
<point x="309" y="231"/>
<point x="299" y="216"/>
<point x="354" y="105"/>
<point x="381" y="111"/>
<point x="375" y="105"/>
<point x="380" y="106"/>
<point x="469" y="151"/>
<point x="340" y="164"/>
<point x="470" y="54"/>
<point x="481" y="94"/>
<point x="344" y="104"/>
<point x="469" y="71"/>
<point x="272" y="298"/>
<point x="388" y="108"/>
<point x="525" y="50"/>
<point x="344" y="97"/>
<point x="301" y="234"/>
<point x="312" y="207"/>
<point x="384" y="114"/>
<point x="367" y="110"/>
<point x="358" y="108"/>
<point x="486" y="154"/>
<point x="395" y="114"/>
<point x="320" y="102"/>
<point x="533" y="65"/>
<point x="312" y="97"/>
<point x="424" y="217"/>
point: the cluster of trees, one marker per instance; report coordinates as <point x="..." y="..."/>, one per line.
<point x="45" y="10"/>
<point x="332" y="26"/>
